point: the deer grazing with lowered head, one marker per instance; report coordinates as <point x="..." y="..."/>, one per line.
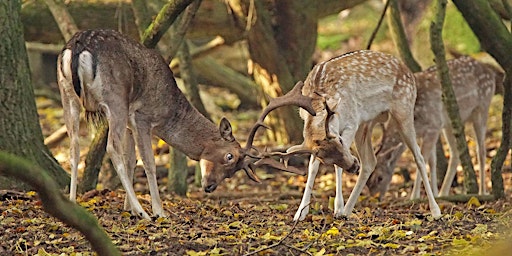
<point x="474" y="84"/>
<point x="116" y="78"/>
<point x="351" y="93"/>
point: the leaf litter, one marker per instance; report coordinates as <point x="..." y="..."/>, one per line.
<point x="258" y="223"/>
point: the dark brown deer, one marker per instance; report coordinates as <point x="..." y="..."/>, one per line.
<point x="351" y="93"/>
<point x="133" y="88"/>
<point x="474" y="84"/>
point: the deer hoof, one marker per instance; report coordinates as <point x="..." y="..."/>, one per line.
<point x="300" y="215"/>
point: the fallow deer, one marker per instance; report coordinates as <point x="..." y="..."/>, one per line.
<point x="131" y="86"/>
<point x="351" y="93"/>
<point x="474" y="84"/>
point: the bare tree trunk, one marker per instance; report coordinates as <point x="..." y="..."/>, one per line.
<point x="449" y="100"/>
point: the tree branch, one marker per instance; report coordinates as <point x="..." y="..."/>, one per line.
<point x="163" y="21"/>
<point x="56" y="204"/>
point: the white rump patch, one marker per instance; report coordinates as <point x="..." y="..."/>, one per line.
<point x="66" y="64"/>
<point x="85" y="70"/>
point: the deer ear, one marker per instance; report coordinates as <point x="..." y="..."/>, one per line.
<point x="225" y="130"/>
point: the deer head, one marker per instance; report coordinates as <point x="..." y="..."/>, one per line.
<point x="248" y="157"/>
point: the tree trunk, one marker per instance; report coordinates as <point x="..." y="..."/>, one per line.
<point x="21" y="133"/>
<point x="448" y="97"/>
<point x="495" y="39"/>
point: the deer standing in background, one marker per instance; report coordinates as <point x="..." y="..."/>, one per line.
<point x="474" y="84"/>
<point x="351" y="93"/>
<point x="116" y="78"/>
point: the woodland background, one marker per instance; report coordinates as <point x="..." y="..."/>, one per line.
<point x="233" y="56"/>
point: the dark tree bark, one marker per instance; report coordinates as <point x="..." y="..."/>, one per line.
<point x="448" y="97"/>
<point x="21" y="133"/>
<point x="497" y="41"/>
<point x="55" y="203"/>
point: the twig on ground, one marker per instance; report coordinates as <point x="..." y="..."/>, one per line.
<point x="280" y="241"/>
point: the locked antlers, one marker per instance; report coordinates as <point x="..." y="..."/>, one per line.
<point x="293" y="97"/>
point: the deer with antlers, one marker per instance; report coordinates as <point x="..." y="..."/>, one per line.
<point x="351" y="93"/>
<point x="474" y="84"/>
<point x="116" y="78"/>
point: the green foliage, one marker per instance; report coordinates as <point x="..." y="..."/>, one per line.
<point x="457" y="34"/>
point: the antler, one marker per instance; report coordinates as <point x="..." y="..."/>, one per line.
<point x="293" y="97"/>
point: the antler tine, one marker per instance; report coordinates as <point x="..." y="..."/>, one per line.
<point x="293" y="97"/>
<point x="280" y="166"/>
<point x="329" y="114"/>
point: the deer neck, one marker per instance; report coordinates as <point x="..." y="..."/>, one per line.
<point x="188" y="131"/>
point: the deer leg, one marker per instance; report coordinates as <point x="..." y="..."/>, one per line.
<point x="116" y="133"/>
<point x="479" y="126"/>
<point x="409" y="137"/>
<point x="142" y="134"/>
<point x="428" y="150"/>
<point x="131" y="161"/>
<point x="452" y="163"/>
<point x="338" y="200"/>
<point x="71" y="107"/>
<point x="363" y="139"/>
<point x="303" y="210"/>
<point x="72" y="119"/>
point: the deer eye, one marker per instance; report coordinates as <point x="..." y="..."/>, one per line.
<point x="229" y="157"/>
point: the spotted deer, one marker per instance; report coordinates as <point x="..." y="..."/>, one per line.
<point x="351" y="93"/>
<point x="474" y="85"/>
<point x="116" y="78"/>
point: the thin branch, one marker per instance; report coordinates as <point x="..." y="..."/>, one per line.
<point x="282" y="239"/>
<point x="374" y="33"/>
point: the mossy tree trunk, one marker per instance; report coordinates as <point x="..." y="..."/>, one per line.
<point x="55" y="203"/>
<point x="448" y="97"/>
<point x="21" y="133"/>
<point x="497" y="41"/>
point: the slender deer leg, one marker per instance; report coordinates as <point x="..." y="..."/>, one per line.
<point x="409" y="137"/>
<point x="428" y="150"/>
<point x="143" y="141"/>
<point x="72" y="117"/>
<point x="303" y="210"/>
<point x="71" y="107"/>
<point x="480" y="126"/>
<point x="338" y="200"/>
<point x="131" y="162"/>
<point x="368" y="160"/>
<point x="452" y="163"/>
<point x="116" y="132"/>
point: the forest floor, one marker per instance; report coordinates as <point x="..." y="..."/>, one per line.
<point x="257" y="219"/>
<point x="242" y="218"/>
